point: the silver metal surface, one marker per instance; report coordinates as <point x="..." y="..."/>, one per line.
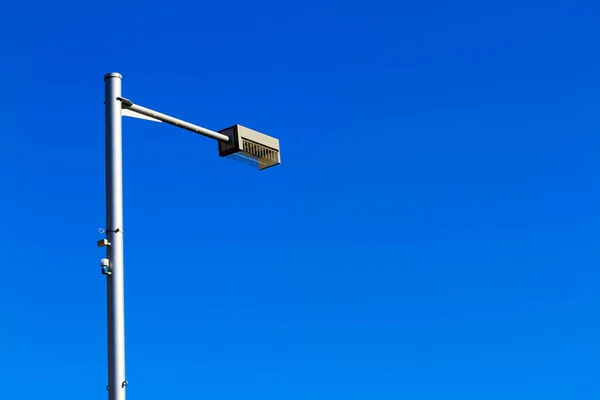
<point x="127" y="104"/>
<point x="132" y="114"/>
<point x="114" y="235"/>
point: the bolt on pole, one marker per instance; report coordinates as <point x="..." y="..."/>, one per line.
<point x="114" y="233"/>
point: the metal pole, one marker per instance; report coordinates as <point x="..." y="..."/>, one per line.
<point x="114" y="233"/>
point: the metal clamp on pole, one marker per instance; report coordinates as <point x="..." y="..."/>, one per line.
<point x="105" y="265"/>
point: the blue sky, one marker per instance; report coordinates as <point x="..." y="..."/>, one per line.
<point x="432" y="232"/>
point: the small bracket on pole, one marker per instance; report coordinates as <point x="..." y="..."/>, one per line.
<point x="102" y="230"/>
<point x="103" y="242"/>
<point x="126" y="102"/>
<point x="125" y="383"/>
<point x="105" y="266"/>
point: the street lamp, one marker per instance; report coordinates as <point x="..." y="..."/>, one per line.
<point x="237" y="142"/>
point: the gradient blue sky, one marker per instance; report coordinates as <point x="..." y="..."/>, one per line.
<point x="432" y="232"/>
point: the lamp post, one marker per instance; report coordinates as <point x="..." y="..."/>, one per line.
<point x="236" y="142"/>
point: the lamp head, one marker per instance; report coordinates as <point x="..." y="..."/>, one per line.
<point x="250" y="147"/>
